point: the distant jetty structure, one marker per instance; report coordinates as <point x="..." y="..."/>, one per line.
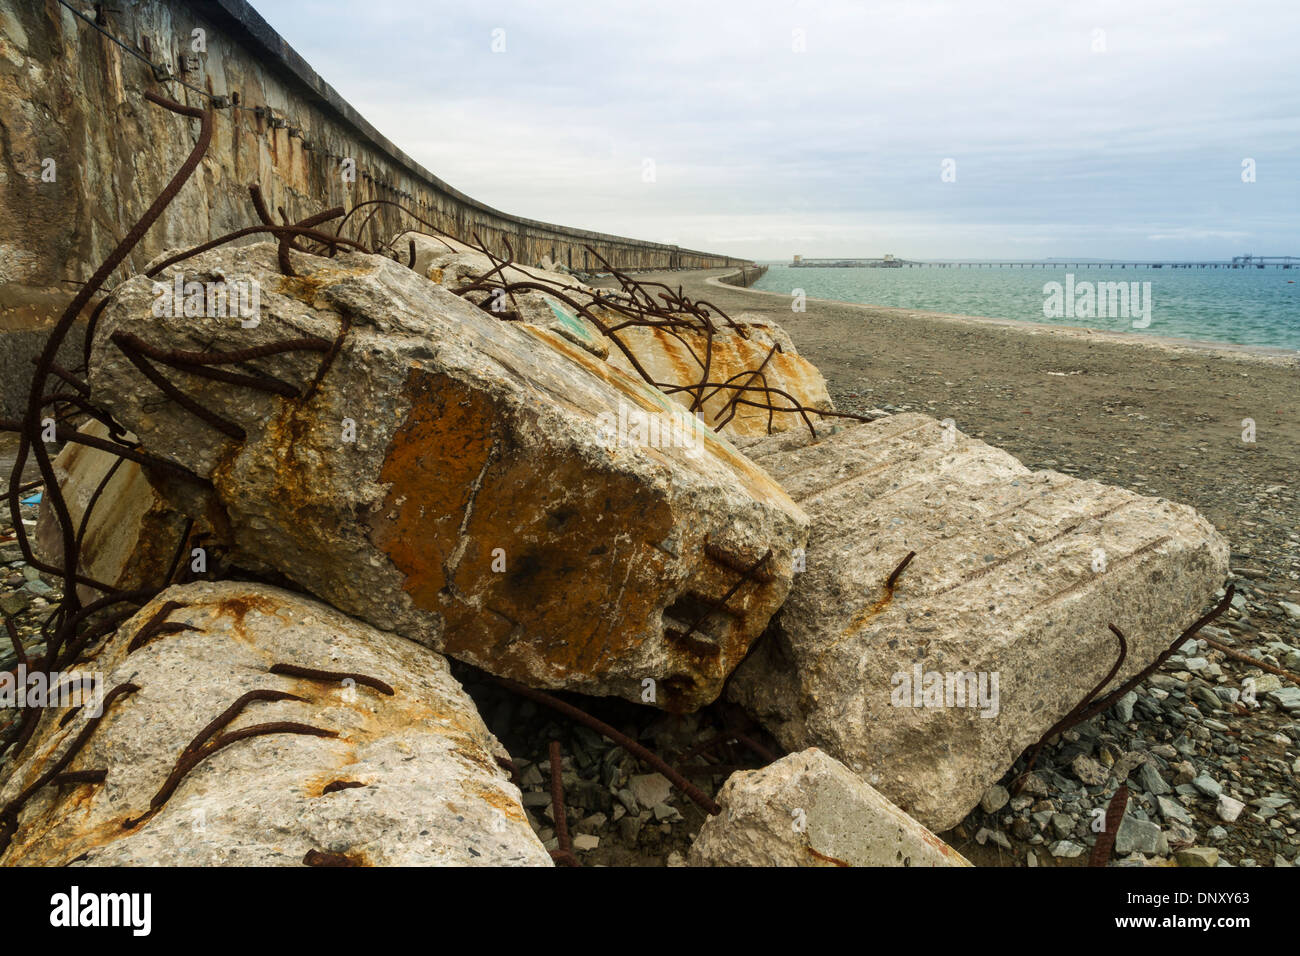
<point x="886" y="262"/>
<point x="892" y="262"/>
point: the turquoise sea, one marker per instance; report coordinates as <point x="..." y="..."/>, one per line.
<point x="1236" y="306"/>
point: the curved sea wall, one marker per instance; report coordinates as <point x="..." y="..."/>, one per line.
<point x="745" y="276"/>
<point x="83" y="154"/>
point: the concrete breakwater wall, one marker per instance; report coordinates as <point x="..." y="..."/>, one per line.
<point x="746" y="276"/>
<point x="83" y="154"/>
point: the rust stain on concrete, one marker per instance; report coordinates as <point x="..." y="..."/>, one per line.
<point x="464" y="482"/>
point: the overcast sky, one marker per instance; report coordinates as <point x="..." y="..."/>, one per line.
<point x="1105" y="129"/>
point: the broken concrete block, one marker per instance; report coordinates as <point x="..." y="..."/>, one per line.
<point x="808" y="809"/>
<point x="380" y="760"/>
<point x="134" y="532"/>
<point x="452" y="263"/>
<point x="743" y="358"/>
<point x="931" y="689"/>
<point x="455" y="265"/>
<point x="754" y="356"/>
<point x="447" y="477"/>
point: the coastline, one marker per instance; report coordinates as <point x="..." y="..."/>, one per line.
<point x="1162" y="417"/>
<point x="1264" y="353"/>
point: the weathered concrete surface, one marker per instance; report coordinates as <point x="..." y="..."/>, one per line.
<point x="1003" y="584"/>
<point x="808" y="809"/>
<point x="450" y="262"/>
<point x="674" y="357"/>
<point x="479" y="508"/>
<point x="75" y="99"/>
<point x="455" y="265"/>
<point x="431" y="791"/>
<point x="133" y="532"/>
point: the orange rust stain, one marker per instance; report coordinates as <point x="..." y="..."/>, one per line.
<point x="240" y="605"/>
<point x="571" y="594"/>
<point x="494" y="798"/>
<point x="433" y="462"/>
<point x="827" y="859"/>
<point x="864" y="617"/>
<point x="307" y="288"/>
<point x="618" y="374"/>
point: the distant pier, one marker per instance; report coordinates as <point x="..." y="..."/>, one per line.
<point x="889" y="262"/>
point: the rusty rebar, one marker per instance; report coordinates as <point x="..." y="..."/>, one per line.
<point x="30" y="432"/>
<point x="331" y="677"/>
<point x="565" y="853"/>
<point x="701" y="799"/>
<point x="1087" y="708"/>
<point x="892" y="580"/>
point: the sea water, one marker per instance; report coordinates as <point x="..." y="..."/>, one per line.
<point x="1245" y="306"/>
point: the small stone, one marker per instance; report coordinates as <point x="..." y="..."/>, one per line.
<point x="1229" y="809"/>
<point x="1062" y="849"/>
<point x="1171" y="809"/>
<point x="1150" y="780"/>
<point x="1216" y="833"/>
<point x="666" y="813"/>
<point x="1267" y="683"/>
<point x="1179" y="835"/>
<point x="1197" y="856"/>
<point x="1034" y="785"/>
<point x="1288" y="698"/>
<point x="1207" y="785"/>
<point x="629" y="828"/>
<point x="585" y="842"/>
<point x="1088" y="771"/>
<point x="650" y="789"/>
<point x="629" y="802"/>
<point x="1126" y="764"/>
<point x="1292" y="610"/>
<point x="1124" y="706"/>
<point x="995" y="798"/>
<point x="1140" y="836"/>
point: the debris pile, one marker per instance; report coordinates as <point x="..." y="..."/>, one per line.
<point x="298" y="472"/>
